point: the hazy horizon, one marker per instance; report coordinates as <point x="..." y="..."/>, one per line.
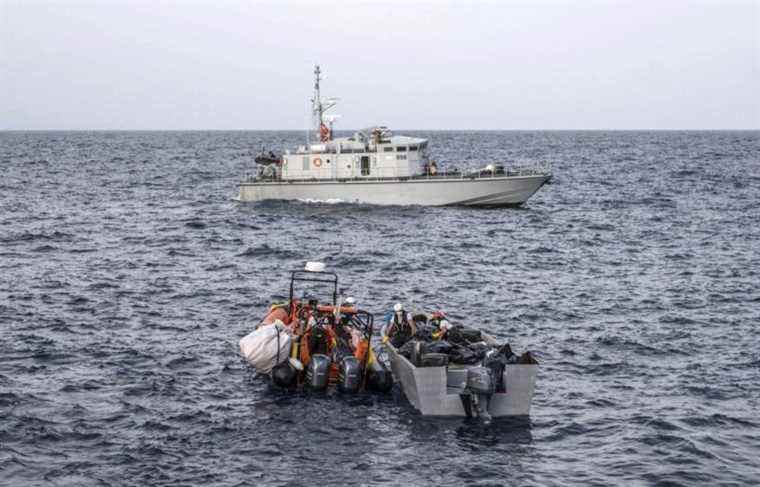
<point x="349" y="131"/>
<point x="552" y="65"/>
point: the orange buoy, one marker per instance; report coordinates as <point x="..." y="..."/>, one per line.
<point x="317" y="162"/>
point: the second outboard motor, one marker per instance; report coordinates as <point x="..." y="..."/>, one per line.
<point x="284" y="375"/>
<point x="349" y="374"/>
<point x="481" y="386"/>
<point x="318" y="372"/>
<point x="379" y="378"/>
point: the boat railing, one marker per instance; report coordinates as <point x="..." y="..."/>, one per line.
<point x="443" y="174"/>
<point x="532" y="170"/>
<point x="334" y="150"/>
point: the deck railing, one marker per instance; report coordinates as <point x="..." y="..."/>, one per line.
<point x="543" y="169"/>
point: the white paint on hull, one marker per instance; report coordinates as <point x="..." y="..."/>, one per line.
<point x="494" y="191"/>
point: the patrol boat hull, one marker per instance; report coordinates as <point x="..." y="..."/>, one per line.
<point x="447" y="191"/>
<point x="437" y="391"/>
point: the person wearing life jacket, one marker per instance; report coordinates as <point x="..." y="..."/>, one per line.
<point x="276" y="312"/>
<point x="441" y="324"/>
<point x="347" y="333"/>
<point x="400" y="328"/>
<point x="349" y="302"/>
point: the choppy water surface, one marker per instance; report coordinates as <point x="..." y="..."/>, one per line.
<point x="127" y="276"/>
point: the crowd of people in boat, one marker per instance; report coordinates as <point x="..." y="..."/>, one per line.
<point x="433" y="341"/>
<point x="304" y="342"/>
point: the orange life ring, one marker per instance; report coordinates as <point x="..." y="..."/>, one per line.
<point x="317" y="162"/>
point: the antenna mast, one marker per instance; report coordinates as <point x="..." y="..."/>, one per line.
<point x="318" y="109"/>
<point x="317" y="100"/>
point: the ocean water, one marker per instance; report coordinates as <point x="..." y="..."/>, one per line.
<point x="128" y="275"/>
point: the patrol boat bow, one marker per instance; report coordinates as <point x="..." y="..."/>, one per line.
<point x="373" y="166"/>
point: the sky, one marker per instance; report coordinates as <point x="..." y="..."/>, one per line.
<point x="532" y="64"/>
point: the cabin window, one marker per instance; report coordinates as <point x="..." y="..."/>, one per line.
<point x="306" y="164"/>
<point x="401" y="148"/>
<point x="388" y="149"/>
<point x="412" y="147"/>
<point x="401" y="157"/>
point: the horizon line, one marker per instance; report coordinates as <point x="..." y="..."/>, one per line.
<point x="394" y="130"/>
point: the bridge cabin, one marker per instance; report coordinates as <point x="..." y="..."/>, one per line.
<point x="373" y="153"/>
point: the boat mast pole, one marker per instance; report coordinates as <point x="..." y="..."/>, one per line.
<point x="317" y="101"/>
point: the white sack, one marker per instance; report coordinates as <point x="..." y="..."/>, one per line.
<point x="260" y="346"/>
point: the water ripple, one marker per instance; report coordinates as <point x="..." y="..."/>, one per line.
<point x="127" y="276"/>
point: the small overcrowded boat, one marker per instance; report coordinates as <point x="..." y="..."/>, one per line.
<point x="447" y="370"/>
<point x="374" y="166"/>
<point x="443" y="369"/>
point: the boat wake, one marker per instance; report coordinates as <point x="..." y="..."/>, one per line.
<point x="328" y="201"/>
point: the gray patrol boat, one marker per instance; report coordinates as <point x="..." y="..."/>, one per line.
<point x="374" y="166"/>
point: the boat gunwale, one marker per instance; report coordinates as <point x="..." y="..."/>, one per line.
<point x="411" y="179"/>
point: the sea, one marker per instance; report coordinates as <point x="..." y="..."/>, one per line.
<point x="128" y="274"/>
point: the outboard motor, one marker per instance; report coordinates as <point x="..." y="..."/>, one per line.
<point x="481" y="387"/>
<point x="379" y="378"/>
<point x="286" y="373"/>
<point x="349" y="374"/>
<point x="318" y="372"/>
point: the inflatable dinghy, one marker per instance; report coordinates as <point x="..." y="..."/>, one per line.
<point x="314" y="344"/>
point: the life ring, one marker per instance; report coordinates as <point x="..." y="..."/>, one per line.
<point x="317" y="162"/>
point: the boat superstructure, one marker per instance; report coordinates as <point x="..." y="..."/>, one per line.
<point x="375" y="166"/>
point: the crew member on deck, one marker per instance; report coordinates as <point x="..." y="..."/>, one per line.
<point x="400" y="328"/>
